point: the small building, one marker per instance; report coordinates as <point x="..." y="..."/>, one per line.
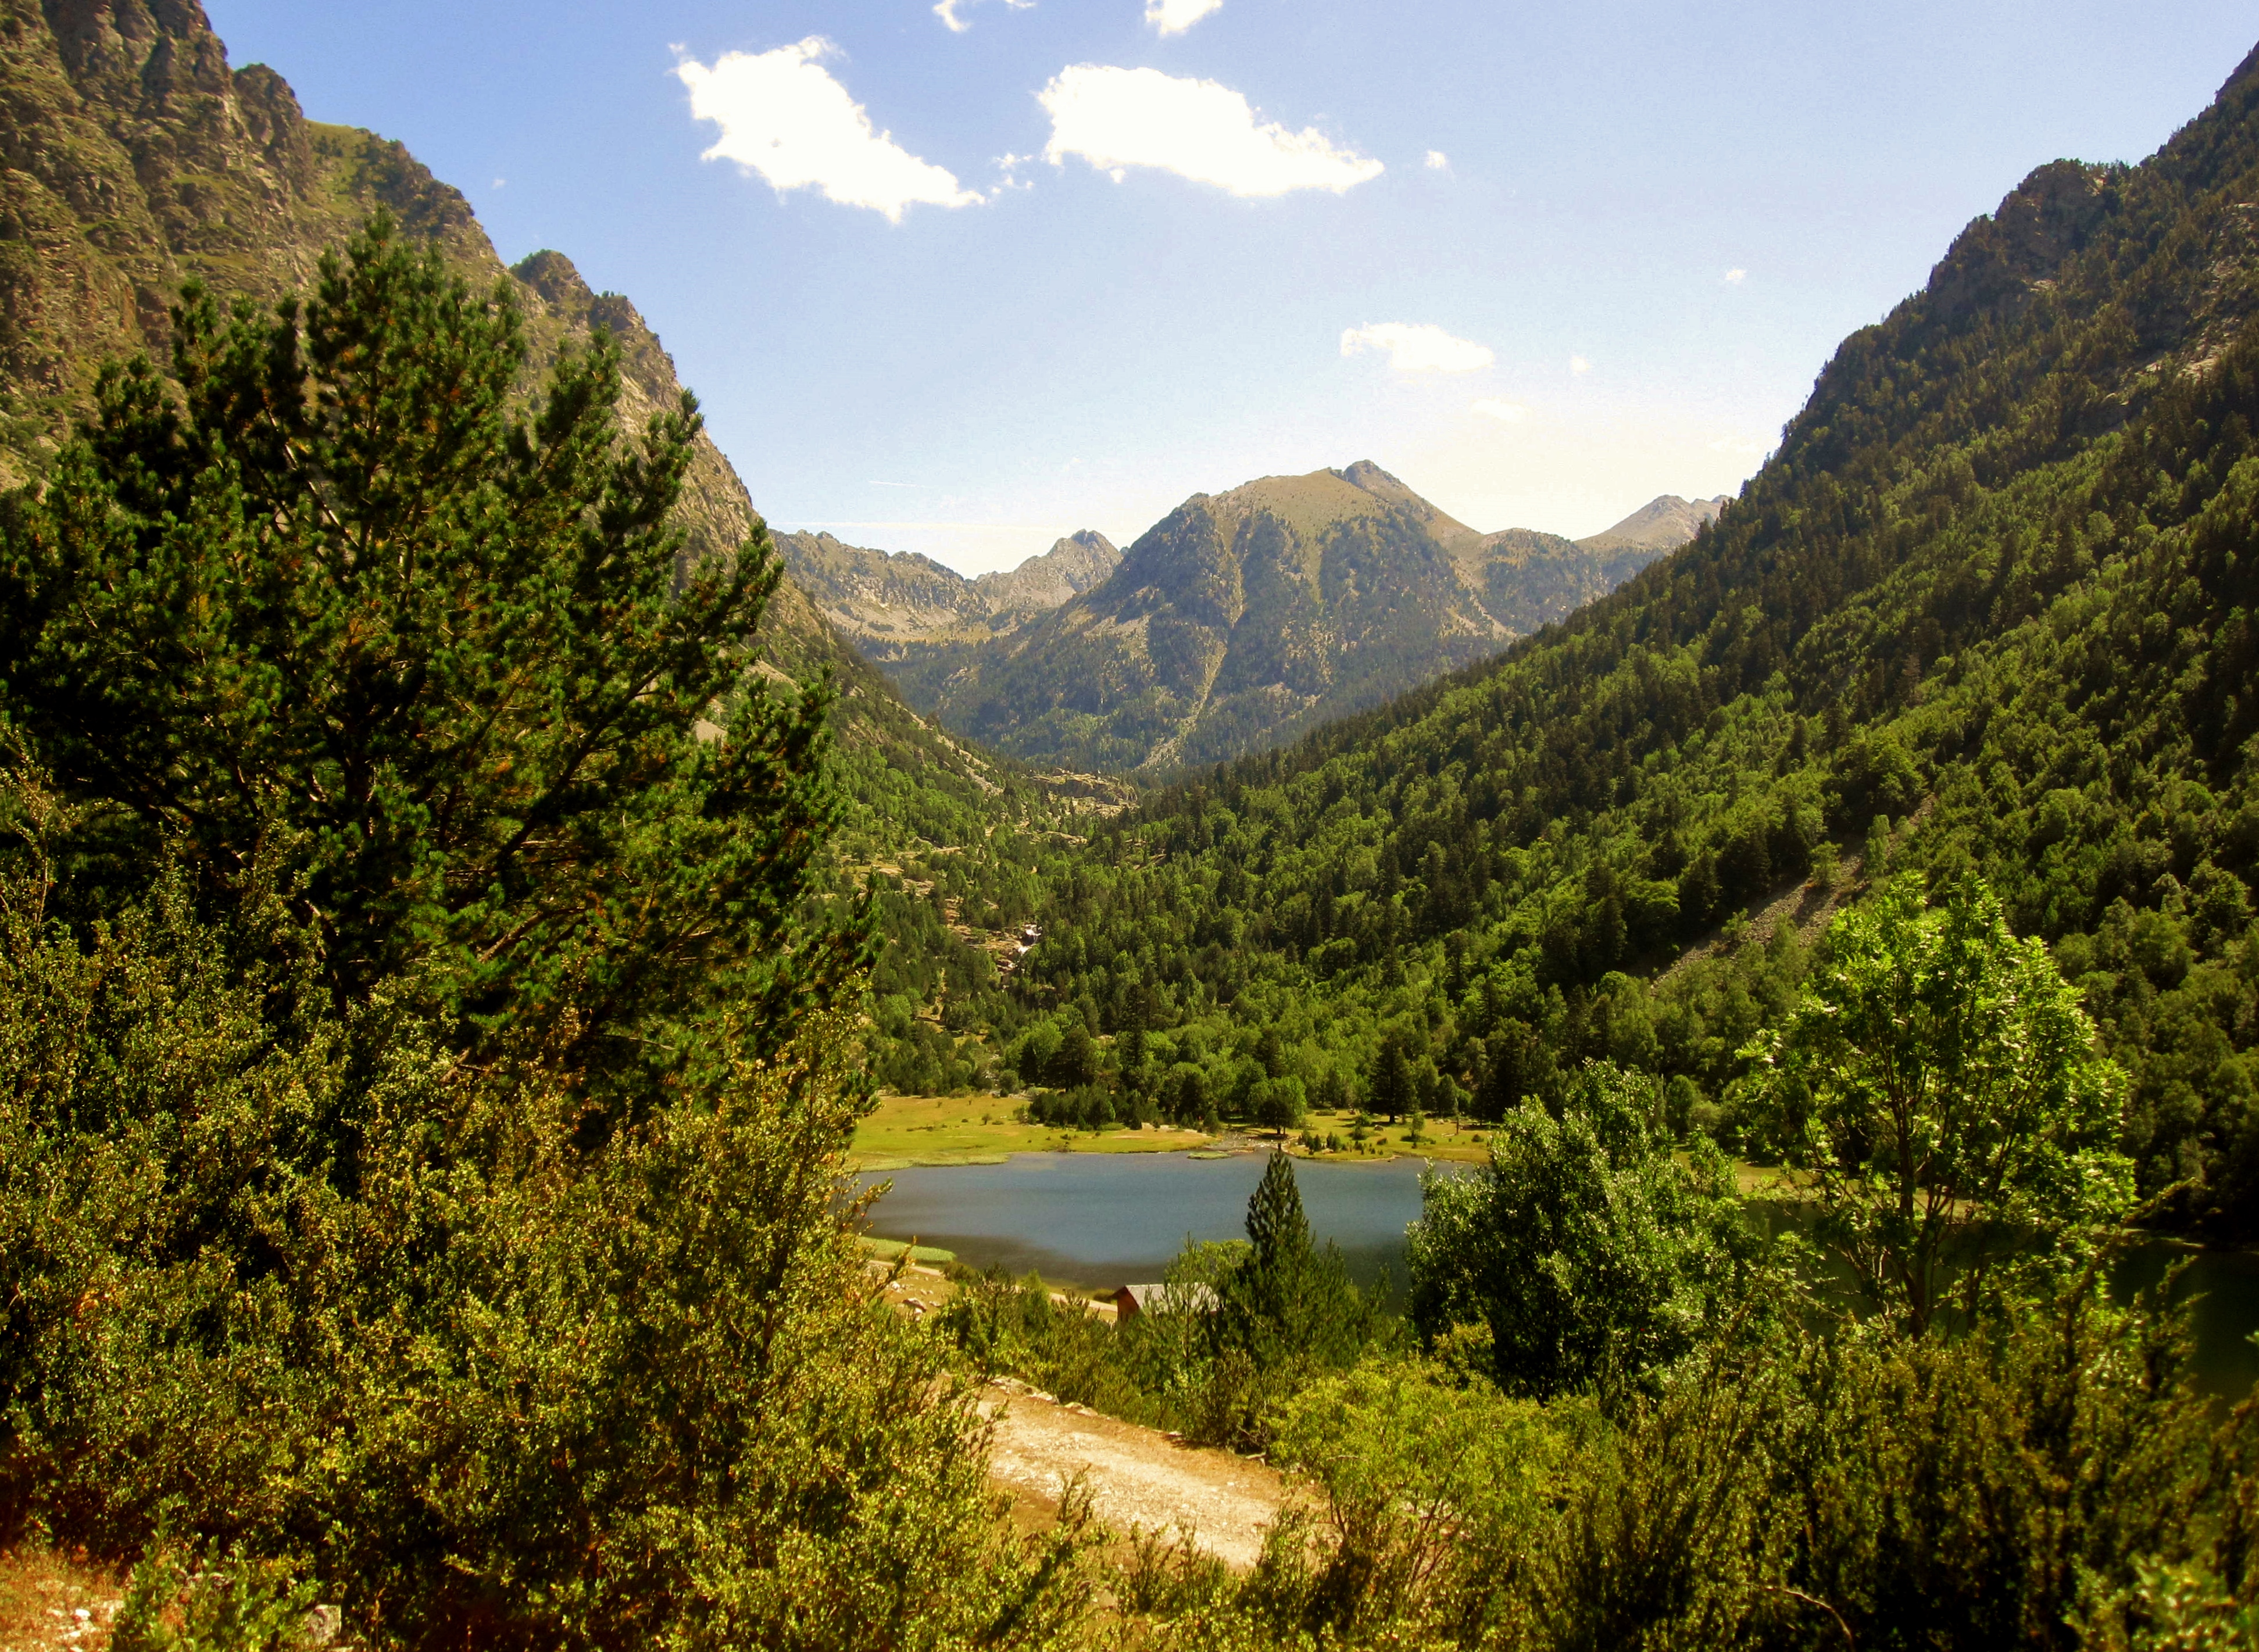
<point x="1132" y="1299"/>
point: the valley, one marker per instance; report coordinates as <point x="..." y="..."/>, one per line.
<point x="1696" y="1086"/>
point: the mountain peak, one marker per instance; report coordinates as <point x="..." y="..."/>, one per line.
<point x="1662" y="523"/>
<point x="1070" y="567"/>
<point x="1366" y="474"/>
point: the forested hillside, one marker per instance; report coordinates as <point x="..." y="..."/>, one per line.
<point x="1989" y="608"/>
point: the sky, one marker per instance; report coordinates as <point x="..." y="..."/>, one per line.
<point x="961" y="278"/>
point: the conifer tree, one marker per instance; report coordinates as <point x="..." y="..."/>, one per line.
<point x="1291" y="1302"/>
<point x="329" y="609"/>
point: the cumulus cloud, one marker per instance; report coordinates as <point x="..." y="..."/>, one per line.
<point x="1735" y="277"/>
<point x="1578" y="366"/>
<point x="1417" y="348"/>
<point x="1174" y="17"/>
<point x="950" y="12"/>
<point x="1117" y="119"/>
<point x="1438" y="161"/>
<point x="1505" y="412"/>
<point x="783" y="115"/>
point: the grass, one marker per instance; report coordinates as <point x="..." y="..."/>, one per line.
<point x="888" y="1249"/>
<point x="904" y="1130"/>
<point x="1469" y="1145"/>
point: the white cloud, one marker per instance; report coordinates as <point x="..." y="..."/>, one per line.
<point x="1735" y="277"/>
<point x="1174" y="17"/>
<point x="947" y="11"/>
<point x="1438" y="161"/>
<point x="783" y="115"/>
<point x="1117" y="117"/>
<point x="1741" y="445"/>
<point x="1417" y="348"/>
<point x="1578" y="366"/>
<point x="1507" y="412"/>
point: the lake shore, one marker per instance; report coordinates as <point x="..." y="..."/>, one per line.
<point x="930" y="1132"/>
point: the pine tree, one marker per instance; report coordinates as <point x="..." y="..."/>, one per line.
<point x="329" y="610"/>
<point x="1276" y="1225"/>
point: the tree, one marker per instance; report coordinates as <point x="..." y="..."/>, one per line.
<point x="1278" y="1104"/>
<point x="1076" y="1063"/>
<point x="1394" y="1088"/>
<point x="329" y="613"/>
<point x="1938" y="1085"/>
<point x="1290" y="1303"/>
<point x="378" y="710"/>
<point x="1583" y="1248"/>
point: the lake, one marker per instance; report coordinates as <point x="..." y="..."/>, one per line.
<point x="1108" y="1218"/>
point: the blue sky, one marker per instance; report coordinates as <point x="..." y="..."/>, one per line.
<point x="1543" y="261"/>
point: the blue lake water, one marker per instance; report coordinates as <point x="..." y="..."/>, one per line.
<point x="1107" y="1219"/>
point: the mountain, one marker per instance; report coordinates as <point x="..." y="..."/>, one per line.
<point x="1659" y="525"/>
<point x="1245" y="617"/>
<point x="891" y="604"/>
<point x="133" y="158"/>
<point x="1989" y="611"/>
<point x="1070" y="567"/>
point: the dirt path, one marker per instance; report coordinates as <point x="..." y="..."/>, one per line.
<point x="1138" y="1476"/>
<point x="49" y="1603"/>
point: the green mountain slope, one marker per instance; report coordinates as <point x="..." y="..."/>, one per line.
<point x="1989" y="608"/>
<point x="132" y="158"/>
<point x="1243" y="618"/>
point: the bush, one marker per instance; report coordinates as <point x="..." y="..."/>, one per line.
<point x="1588" y="1250"/>
<point x="481" y="1373"/>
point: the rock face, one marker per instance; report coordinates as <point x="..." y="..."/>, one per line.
<point x="1659" y="525"/>
<point x="1065" y="572"/>
<point x="133" y="158"/>
<point x="925" y="625"/>
<point x="1244" y="619"/>
<point x="891" y="603"/>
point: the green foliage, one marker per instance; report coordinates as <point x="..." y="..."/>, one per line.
<point x="227" y="1605"/>
<point x="631" y="1391"/>
<point x="425" y="1071"/>
<point x="2060" y="1484"/>
<point x="326" y="604"/>
<point x="1423" y="1479"/>
<point x="1585" y="1249"/>
<point x="1289" y="1305"/>
<point x="1938" y="1088"/>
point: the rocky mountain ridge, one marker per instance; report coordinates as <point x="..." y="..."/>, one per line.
<point x="1245" y="617"/>
<point x="891" y="604"/>
<point x="1661" y="524"/>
